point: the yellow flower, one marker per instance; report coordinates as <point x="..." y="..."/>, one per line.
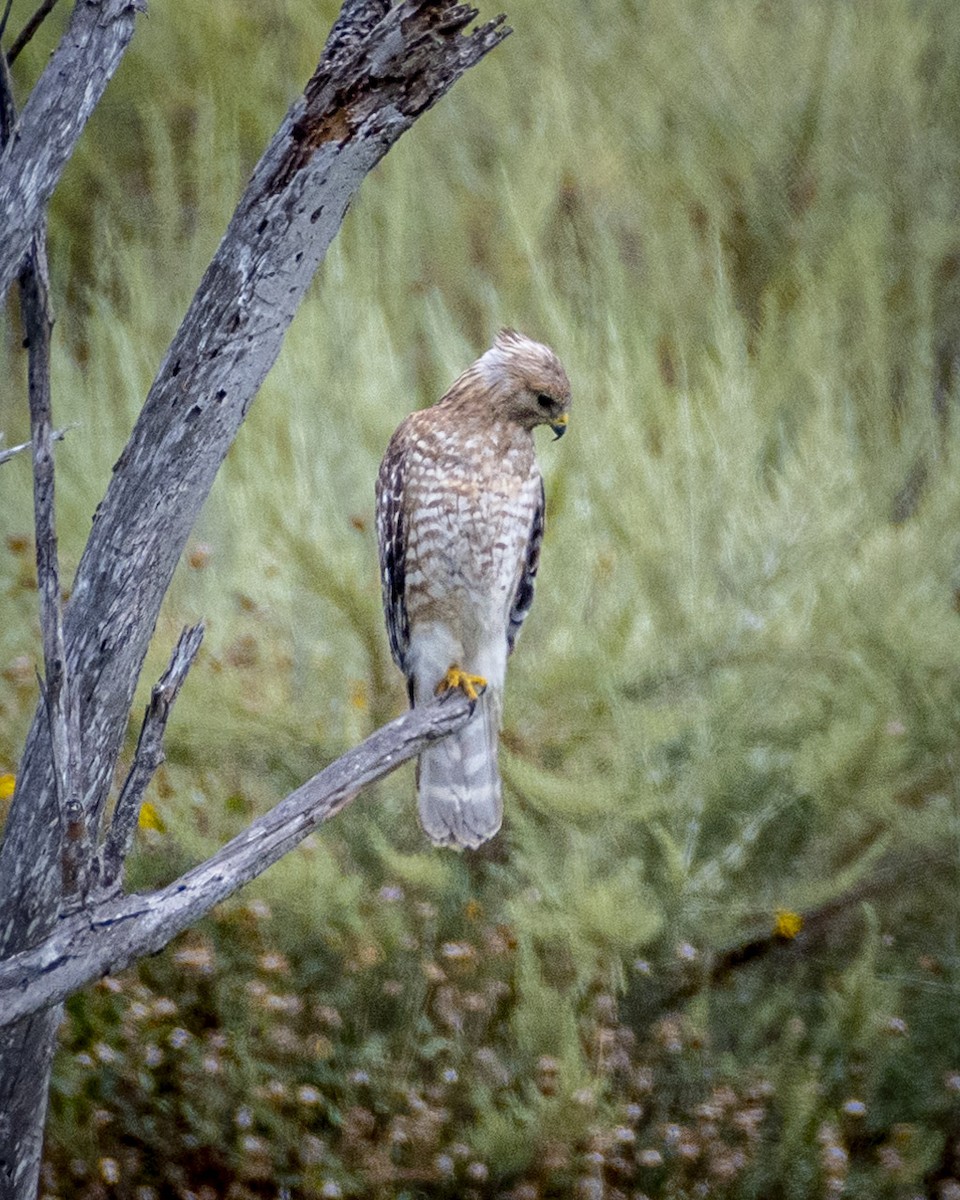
<point x="150" y="818"/>
<point x="787" y="924"/>
<point x="8" y="783"/>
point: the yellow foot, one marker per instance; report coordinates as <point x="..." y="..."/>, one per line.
<point x="456" y="677"/>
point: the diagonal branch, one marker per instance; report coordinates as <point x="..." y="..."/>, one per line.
<point x="52" y="120"/>
<point x="814" y="926"/>
<point x="367" y="91"/>
<point x="110" y="936"/>
<point x="25" y="36"/>
<point x="3" y="20"/>
<point x="360" y="100"/>
<point x="149" y="755"/>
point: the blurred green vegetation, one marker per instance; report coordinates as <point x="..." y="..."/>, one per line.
<point x="739" y="689"/>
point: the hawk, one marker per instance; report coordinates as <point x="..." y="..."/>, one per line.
<point x="459" y="525"/>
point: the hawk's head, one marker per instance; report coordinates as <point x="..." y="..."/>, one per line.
<point x="526" y="381"/>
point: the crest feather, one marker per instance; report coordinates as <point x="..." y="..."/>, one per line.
<point x="508" y="337"/>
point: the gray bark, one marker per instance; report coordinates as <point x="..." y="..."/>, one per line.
<point x="53" y="118"/>
<point x="25" y="1076"/>
<point x="382" y="68"/>
<point x="12" y="451"/>
<point x="59" y="698"/>
<point x="149" y="756"/>
<point x="113" y="933"/>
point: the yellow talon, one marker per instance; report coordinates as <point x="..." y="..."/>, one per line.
<point x="456" y="677"/>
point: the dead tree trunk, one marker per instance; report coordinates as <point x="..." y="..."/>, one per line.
<point x="115" y="928"/>
<point x="381" y="68"/>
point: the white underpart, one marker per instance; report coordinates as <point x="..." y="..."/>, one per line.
<point x="475" y="556"/>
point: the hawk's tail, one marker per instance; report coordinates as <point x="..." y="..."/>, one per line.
<point x="458" y="782"/>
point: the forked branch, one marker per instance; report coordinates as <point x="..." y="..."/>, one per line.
<point x="384" y="66"/>
<point x="111" y="935"/>
<point x="8" y="452"/>
<point x="149" y="755"/>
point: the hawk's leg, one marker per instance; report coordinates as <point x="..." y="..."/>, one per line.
<point x="457" y="677"/>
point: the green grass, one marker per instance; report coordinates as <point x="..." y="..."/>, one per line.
<point x="738" y="691"/>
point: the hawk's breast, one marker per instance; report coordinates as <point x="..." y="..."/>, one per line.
<point x="469" y="503"/>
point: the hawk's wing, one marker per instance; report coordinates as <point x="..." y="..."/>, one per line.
<point x="523" y="596"/>
<point x="392" y="539"/>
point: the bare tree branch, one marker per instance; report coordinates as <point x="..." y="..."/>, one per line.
<point x="8" y="107"/>
<point x="110" y="936"/>
<point x="52" y="120"/>
<point x="149" y="755"/>
<point x="56" y="435"/>
<point x="3" y="20"/>
<point x="368" y="89"/>
<point x="26" y="1050"/>
<point x="59" y="701"/>
<point x="25" y="36"/>
<point x="355" y="107"/>
<point x="650" y="1000"/>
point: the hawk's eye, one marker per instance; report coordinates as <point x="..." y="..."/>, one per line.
<point x="545" y="402"/>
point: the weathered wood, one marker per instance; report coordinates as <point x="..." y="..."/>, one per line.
<point x="53" y="118"/>
<point x="149" y="755"/>
<point x="59" y="700"/>
<point x="26" y="1050"/>
<point x="26" y="1053"/>
<point x="114" y="933"/>
<point x="379" y="73"/>
<point x="57" y="435"/>
<point x="353" y="109"/>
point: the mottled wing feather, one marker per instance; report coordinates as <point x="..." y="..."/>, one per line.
<point x="523" y="596"/>
<point x="391" y="536"/>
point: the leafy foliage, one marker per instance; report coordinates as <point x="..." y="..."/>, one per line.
<point x="739" y="690"/>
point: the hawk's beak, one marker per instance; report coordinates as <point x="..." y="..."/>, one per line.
<point x="559" y="426"/>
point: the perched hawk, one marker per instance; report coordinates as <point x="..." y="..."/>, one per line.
<point x="460" y="522"/>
